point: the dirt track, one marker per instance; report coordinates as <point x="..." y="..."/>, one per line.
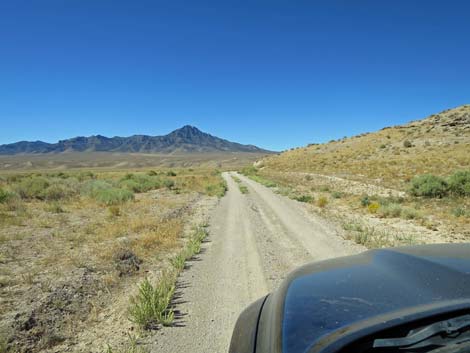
<point x="255" y="240"/>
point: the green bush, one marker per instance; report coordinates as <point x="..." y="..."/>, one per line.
<point x="429" y="185"/>
<point x="250" y="170"/>
<point x="169" y="184"/>
<point x="82" y="176"/>
<point x="6" y="196"/>
<point x="61" y="189"/>
<point x="91" y="187"/>
<point x="140" y="182"/>
<point x="365" y="201"/>
<point x="336" y="194"/>
<point x="218" y="190"/>
<point x="32" y="188"/>
<point x="407" y="144"/>
<point x="151" y="306"/>
<point x="113" y="196"/>
<point x="304" y="198"/>
<point x="130" y="184"/>
<point x="459" y="183"/>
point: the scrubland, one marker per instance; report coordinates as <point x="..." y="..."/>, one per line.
<point x="89" y="259"/>
<point x="401" y="185"/>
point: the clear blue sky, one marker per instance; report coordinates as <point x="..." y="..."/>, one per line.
<point x="273" y="73"/>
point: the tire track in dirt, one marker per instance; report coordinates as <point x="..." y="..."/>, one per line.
<point x="254" y="241"/>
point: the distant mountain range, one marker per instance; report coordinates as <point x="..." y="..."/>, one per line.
<point x="186" y="140"/>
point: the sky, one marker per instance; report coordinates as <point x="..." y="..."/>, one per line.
<point x="277" y="74"/>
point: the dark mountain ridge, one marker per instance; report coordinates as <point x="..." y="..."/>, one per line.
<point x="186" y="139"/>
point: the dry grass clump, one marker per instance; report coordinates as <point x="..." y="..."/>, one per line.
<point x="161" y="235"/>
<point x="322" y="202"/>
<point x="372" y="237"/>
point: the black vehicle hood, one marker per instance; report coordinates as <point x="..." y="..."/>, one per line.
<point x="321" y="303"/>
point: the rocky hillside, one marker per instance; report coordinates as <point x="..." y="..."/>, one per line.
<point x="185" y="139"/>
<point x="438" y="144"/>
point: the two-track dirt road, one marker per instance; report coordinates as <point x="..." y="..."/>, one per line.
<point x="255" y="239"/>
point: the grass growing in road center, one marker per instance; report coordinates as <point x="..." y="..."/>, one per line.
<point x="243" y="188"/>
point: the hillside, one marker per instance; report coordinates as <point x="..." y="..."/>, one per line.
<point x="187" y="139"/>
<point x="438" y="144"/>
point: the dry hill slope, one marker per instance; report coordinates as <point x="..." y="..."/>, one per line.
<point x="364" y="182"/>
<point x="437" y="144"/>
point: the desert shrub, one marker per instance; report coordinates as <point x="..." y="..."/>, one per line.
<point x="429" y="185"/>
<point x="56" y="192"/>
<point x="407" y="144"/>
<point x="410" y="213"/>
<point x="459" y="183"/>
<point x="171" y="173"/>
<point x="459" y="212"/>
<point x="14" y="178"/>
<point x="382" y="146"/>
<point x="336" y="194"/>
<point x="218" y="189"/>
<point x="6" y="196"/>
<point x="32" y="188"/>
<point x="83" y="176"/>
<point x="91" y="187"/>
<point x="169" y="184"/>
<point x="304" y="198"/>
<point x="249" y="170"/>
<point x="140" y="182"/>
<point x="130" y="184"/>
<point x="390" y="211"/>
<point x="373" y="207"/>
<point x="113" y="196"/>
<point x="365" y="201"/>
<point x="322" y="201"/>
<point x="152" y="173"/>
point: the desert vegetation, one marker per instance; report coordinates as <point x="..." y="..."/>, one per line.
<point x="80" y="248"/>
<point x="401" y="185"/>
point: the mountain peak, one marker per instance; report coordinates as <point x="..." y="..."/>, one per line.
<point x="185" y="139"/>
<point x="187" y="130"/>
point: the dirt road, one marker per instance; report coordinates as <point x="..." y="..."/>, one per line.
<point x="255" y="240"/>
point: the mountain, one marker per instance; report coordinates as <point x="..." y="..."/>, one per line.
<point x="438" y="144"/>
<point x="186" y="139"/>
